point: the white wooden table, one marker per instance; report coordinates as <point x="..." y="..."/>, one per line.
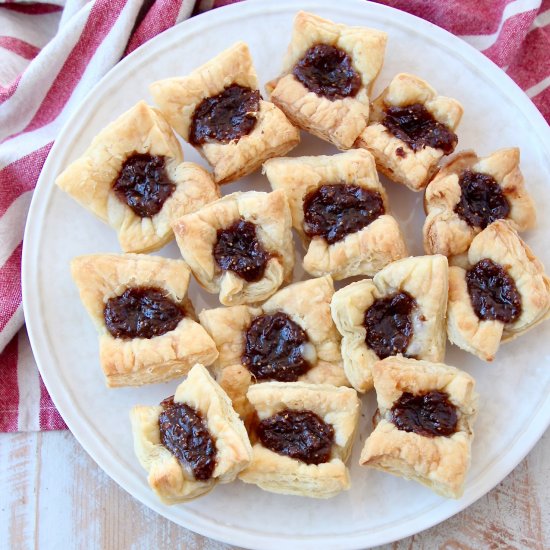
<point x="53" y="496"/>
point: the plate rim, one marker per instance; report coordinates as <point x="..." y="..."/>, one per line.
<point x="82" y="432"/>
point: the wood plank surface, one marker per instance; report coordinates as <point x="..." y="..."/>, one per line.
<point x="53" y="496"/>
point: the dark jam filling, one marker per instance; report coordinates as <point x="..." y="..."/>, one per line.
<point x="238" y="249"/>
<point x="418" y="128"/>
<point x="143" y="184"/>
<point x="388" y="324"/>
<point x="334" y="211"/>
<point x="225" y="117"/>
<point x="328" y="72"/>
<point x="430" y="414"/>
<point x="493" y="293"/>
<point x="273" y="348"/>
<point x="141" y="312"/>
<point x="298" y="434"/>
<point x="184" y="432"/>
<point x="481" y="201"/>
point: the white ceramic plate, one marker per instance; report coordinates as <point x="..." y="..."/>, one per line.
<point x="515" y="403"/>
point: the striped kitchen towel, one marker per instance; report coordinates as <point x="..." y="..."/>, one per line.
<point x="52" y="54"/>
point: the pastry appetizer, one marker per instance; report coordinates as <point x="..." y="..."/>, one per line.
<point x="340" y="211"/>
<point x="146" y="324"/>
<point x="503" y="293"/>
<point x="191" y="441"/>
<point x="328" y="73"/>
<point x="290" y="337"/>
<point x="132" y="177"/>
<point x="240" y="246"/>
<point x="410" y="129"/>
<point x="302" y="438"/>
<point x="424" y="423"/>
<point x="468" y="194"/>
<point x="401" y="311"/>
<point x="218" y="109"/>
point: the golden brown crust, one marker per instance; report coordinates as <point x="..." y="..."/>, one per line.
<point x="444" y="231"/>
<point x="500" y="243"/>
<point x="272" y="135"/>
<point x="89" y="179"/>
<point x="338" y="407"/>
<point x="361" y="253"/>
<point x="365" y="252"/>
<point x="196" y="190"/>
<point x="441" y="463"/>
<point x="196" y="236"/>
<point x="339" y="121"/>
<point x="168" y="477"/>
<point x="138" y="361"/>
<point x="307" y="303"/>
<point x="413" y="169"/>
<point x="425" y="279"/>
<point x="235" y="380"/>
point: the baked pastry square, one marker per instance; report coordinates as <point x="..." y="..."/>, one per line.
<point x="410" y="129"/>
<point x="219" y="110"/>
<point x="191" y="441"/>
<point x="503" y="293"/>
<point x="146" y="325"/>
<point x="468" y="194"/>
<point x="286" y="460"/>
<point x="132" y="177"/>
<point x="333" y="107"/>
<point x="240" y="246"/>
<point x="400" y="311"/>
<point x="425" y="416"/>
<point x="341" y="212"/>
<point x="291" y="337"/>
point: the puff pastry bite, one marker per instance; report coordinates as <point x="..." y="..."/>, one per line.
<point x="302" y="438"/>
<point x="468" y="194"/>
<point x="328" y="73"/>
<point x="503" y="293"/>
<point x="146" y="324"/>
<point x="291" y="337"/>
<point x="425" y="416"/>
<point x="219" y="110"/>
<point x="410" y="129"/>
<point x="340" y="211"/>
<point x="191" y="441"/>
<point x="240" y="246"/>
<point x="400" y="311"/>
<point x="132" y="177"/>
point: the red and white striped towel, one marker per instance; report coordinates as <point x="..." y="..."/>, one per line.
<point x="52" y="54"/>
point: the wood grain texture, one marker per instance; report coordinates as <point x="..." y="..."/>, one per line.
<point x="52" y="495"/>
